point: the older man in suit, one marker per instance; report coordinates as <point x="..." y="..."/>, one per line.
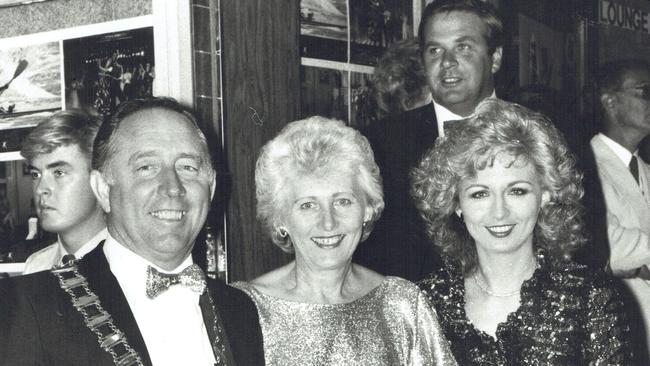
<point x="461" y="42"/>
<point x="137" y="299"/>
<point x="624" y="92"/>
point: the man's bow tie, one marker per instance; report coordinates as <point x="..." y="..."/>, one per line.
<point x="191" y="277"/>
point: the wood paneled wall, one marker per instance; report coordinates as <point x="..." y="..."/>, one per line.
<point x="261" y="91"/>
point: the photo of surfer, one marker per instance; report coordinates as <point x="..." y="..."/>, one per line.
<point x="30" y="82"/>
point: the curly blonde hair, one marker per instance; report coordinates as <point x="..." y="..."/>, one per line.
<point x="473" y="144"/>
<point x="312" y="147"/>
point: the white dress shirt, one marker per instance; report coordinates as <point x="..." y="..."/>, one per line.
<point x="172" y="323"/>
<point x="626" y="156"/>
<point x="52" y="254"/>
<point x="444" y="115"/>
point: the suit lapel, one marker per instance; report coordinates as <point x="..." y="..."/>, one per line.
<point x="96" y="269"/>
<point x="615" y="174"/>
<point x="209" y="313"/>
<point x="645" y="170"/>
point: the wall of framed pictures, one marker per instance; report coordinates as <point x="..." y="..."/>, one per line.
<point x="91" y="55"/>
<point x="340" y="43"/>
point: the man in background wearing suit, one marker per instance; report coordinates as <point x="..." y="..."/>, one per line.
<point x="461" y="44"/>
<point x="137" y="299"/>
<point x="624" y="92"/>
<point x="59" y="151"/>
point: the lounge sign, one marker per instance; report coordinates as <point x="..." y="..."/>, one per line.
<point x="623" y="16"/>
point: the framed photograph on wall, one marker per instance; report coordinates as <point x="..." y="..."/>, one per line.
<point x="104" y="70"/>
<point x="323" y="92"/>
<point x="30" y="84"/>
<point x="337" y="90"/>
<point x="376" y="24"/>
<point x="8" y="3"/>
<point x="62" y="69"/>
<point x="324" y="29"/>
<point x="353" y="31"/>
<point x="363" y="110"/>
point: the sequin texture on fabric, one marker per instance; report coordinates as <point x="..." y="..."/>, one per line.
<point x="392" y="325"/>
<point x="569" y="315"/>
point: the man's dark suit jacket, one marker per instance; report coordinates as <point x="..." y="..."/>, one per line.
<point x="398" y="245"/>
<point x="39" y="325"/>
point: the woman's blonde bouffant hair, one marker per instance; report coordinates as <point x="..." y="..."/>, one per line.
<point x="312" y="147"/>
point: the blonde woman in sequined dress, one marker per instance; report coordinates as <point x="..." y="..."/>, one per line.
<point x="319" y="193"/>
<point x="500" y="195"/>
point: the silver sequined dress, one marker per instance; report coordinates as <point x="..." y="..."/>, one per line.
<point x="391" y="325"/>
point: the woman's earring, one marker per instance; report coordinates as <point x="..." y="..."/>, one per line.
<point x="364" y="224"/>
<point x="283" y="231"/>
<point x="459" y="213"/>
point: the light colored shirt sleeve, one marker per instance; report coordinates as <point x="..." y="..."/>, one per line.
<point x="629" y="246"/>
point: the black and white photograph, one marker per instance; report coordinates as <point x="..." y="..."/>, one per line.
<point x="324" y="92"/>
<point x="324" y="29"/>
<point x="30" y="84"/>
<point x="363" y="110"/>
<point x="102" y="71"/>
<point x="325" y="182"/>
<point x="19" y="236"/>
<point x="376" y="24"/>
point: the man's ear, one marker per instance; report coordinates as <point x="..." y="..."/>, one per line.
<point x="607" y="100"/>
<point x="496" y="59"/>
<point x="101" y="189"/>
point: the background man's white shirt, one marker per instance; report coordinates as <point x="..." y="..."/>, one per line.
<point x="444" y="115"/>
<point x="51" y="255"/>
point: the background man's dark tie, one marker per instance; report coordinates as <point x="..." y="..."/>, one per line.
<point x="634" y="168"/>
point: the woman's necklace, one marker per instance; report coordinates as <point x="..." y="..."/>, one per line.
<point x="492" y="293"/>
<point x="487" y="291"/>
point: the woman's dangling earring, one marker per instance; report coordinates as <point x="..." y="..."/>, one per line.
<point x="283" y="231"/>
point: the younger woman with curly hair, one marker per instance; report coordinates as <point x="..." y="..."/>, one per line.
<point x="500" y="196"/>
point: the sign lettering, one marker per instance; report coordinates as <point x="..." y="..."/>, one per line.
<point x="623" y="16"/>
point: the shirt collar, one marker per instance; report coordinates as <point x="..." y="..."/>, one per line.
<point x="622" y="153"/>
<point x="130" y="269"/>
<point x="444" y="115"/>
<point x="84" y="249"/>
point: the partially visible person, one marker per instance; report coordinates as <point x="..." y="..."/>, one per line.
<point x="138" y="81"/>
<point x="399" y="83"/>
<point x="7" y="227"/>
<point x="59" y="151"/>
<point x="577" y="134"/>
<point x="501" y="198"/>
<point x="108" y="92"/>
<point x="125" y="84"/>
<point x="138" y="298"/>
<point x="624" y="94"/>
<point x="149" y="76"/>
<point x="461" y="44"/>
<point x="319" y="194"/>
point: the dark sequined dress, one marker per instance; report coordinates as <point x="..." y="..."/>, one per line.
<point x="569" y="315"/>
